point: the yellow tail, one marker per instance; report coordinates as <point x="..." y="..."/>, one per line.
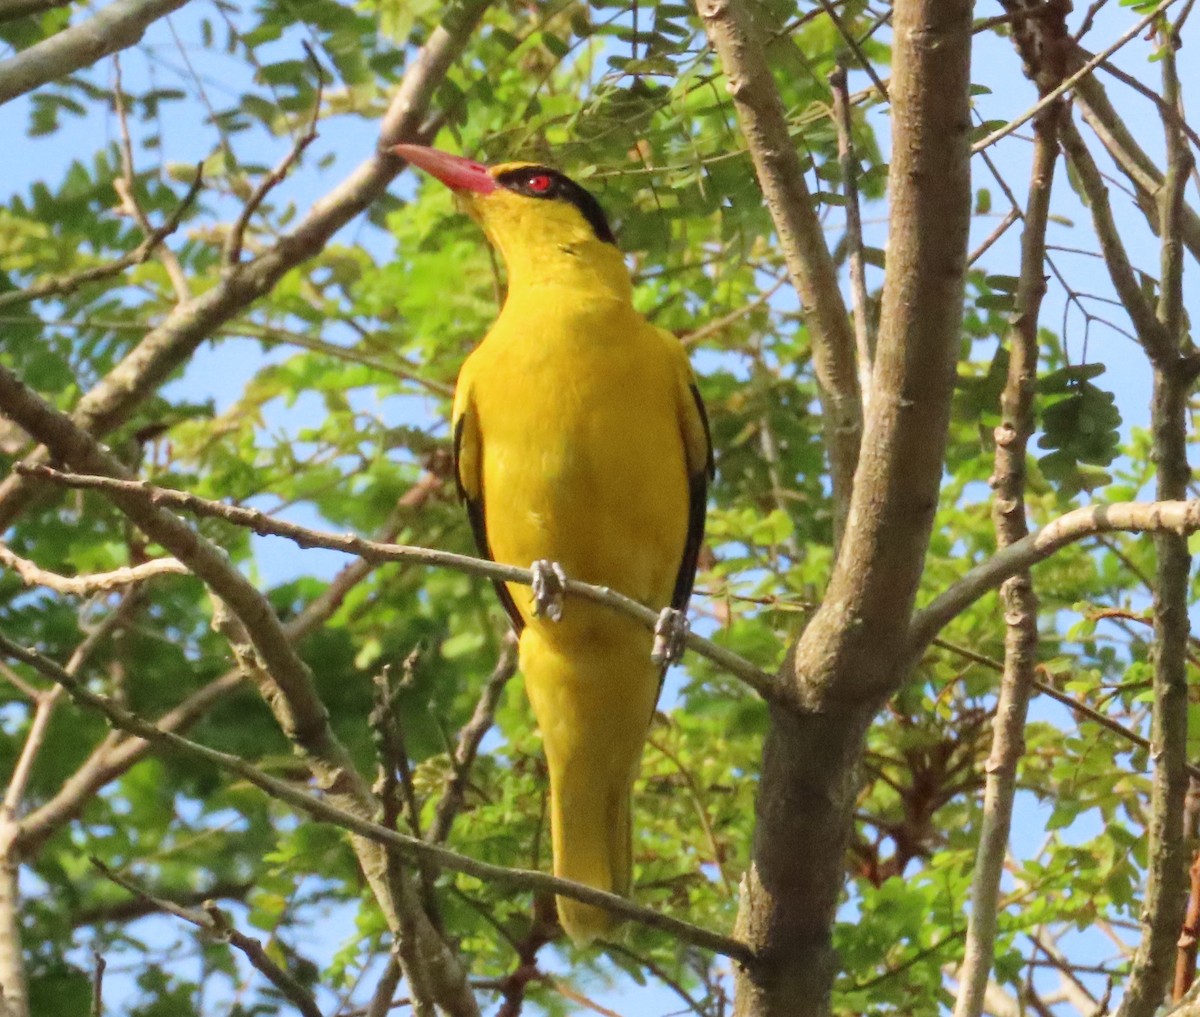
<point x="593" y="696"/>
<point x="592" y="835"/>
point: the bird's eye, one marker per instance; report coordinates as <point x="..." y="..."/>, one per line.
<point x="540" y="183"/>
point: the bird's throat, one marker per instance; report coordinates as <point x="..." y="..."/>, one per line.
<point x="590" y="268"/>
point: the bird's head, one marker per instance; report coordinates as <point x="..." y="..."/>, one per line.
<point x="532" y="213"/>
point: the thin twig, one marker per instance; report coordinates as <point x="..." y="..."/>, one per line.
<point x="96" y="582"/>
<point x="394" y="788"/>
<point x="217" y="925"/>
<point x="864" y="324"/>
<point x="454" y="788"/>
<point x="863" y="62"/>
<point x="99" y="964"/>
<point x="718" y="325"/>
<point x="1010" y="217"/>
<point x="59" y="285"/>
<point x="232" y="254"/>
<point x="1088" y="67"/>
<point x="1150" y="332"/>
<point x="126" y="184"/>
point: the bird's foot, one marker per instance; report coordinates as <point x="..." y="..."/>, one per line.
<point x="670" y="635"/>
<point x="549" y="586"/>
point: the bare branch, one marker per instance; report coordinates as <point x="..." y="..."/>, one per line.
<point x="97" y="582"/>
<point x="217" y="925"/>
<point x="324" y="811"/>
<point x="136" y="908"/>
<point x="1179" y="517"/>
<point x="1088" y="67"/>
<point x="864" y="324"/>
<point x="1162" y="911"/>
<point x="1017" y="594"/>
<point x="454" y="788"/>
<point x="1010" y="217"/>
<point x="1150" y="331"/>
<point x="762" y="683"/>
<point x="1093" y="103"/>
<point x="764" y="125"/>
<point x="118" y="26"/>
<point x="233" y="243"/>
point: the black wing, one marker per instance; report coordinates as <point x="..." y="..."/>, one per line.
<point x="479" y="529"/>
<point x="697" y="506"/>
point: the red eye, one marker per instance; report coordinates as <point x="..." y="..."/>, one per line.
<point x="539" y="184"/>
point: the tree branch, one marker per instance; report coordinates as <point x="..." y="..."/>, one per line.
<point x="1162" y="911"/>
<point x="97" y="582"/>
<point x="233" y="242"/>
<point x="323" y="811"/>
<point x="217" y="925"/>
<point x="1017" y="594"/>
<point x="762" y="683"/>
<point x="1093" y="103"/>
<point x="118" y="26"/>
<point x="764" y="125"/>
<point x="1150" y="332"/>
<point x="1179" y="517"/>
<point x="454" y="787"/>
<point x="115" y="756"/>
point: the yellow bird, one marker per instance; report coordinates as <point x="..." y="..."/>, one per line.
<point x="581" y="445"/>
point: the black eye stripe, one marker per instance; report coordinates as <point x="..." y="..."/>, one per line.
<point x="560" y="188"/>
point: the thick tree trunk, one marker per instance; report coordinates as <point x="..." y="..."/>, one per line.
<point x="851" y="656"/>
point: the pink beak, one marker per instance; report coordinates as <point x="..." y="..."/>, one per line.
<point x="455" y="172"/>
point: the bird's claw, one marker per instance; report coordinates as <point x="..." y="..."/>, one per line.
<point x="549" y="586"/>
<point x="670" y="636"/>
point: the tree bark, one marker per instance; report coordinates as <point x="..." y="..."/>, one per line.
<point x="851" y="656"/>
<point x="116" y="27"/>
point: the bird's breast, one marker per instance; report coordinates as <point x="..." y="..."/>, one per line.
<point x="583" y="456"/>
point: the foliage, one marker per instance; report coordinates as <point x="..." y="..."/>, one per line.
<point x="326" y="400"/>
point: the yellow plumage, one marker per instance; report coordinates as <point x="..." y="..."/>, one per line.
<point x="579" y="439"/>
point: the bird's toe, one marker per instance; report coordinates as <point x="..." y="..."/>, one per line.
<point x="670" y="636"/>
<point x="549" y="586"/>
